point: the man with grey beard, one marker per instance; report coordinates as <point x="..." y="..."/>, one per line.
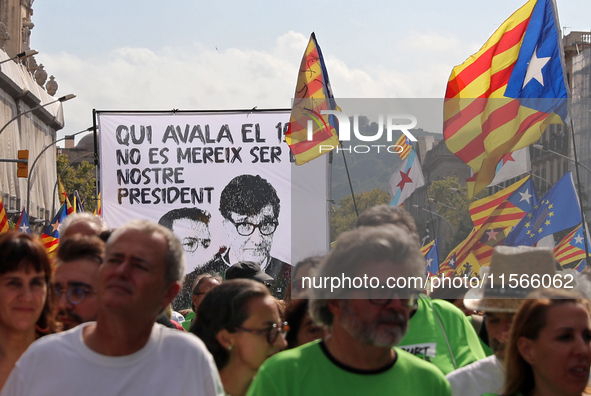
<point x="354" y="296"/>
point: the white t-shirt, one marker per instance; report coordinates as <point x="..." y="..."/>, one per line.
<point x="171" y="363"/>
<point x="481" y="377"/>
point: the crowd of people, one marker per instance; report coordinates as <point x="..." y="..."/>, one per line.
<point x="98" y="321"/>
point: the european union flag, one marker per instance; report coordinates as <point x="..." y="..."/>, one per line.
<point x="558" y="210"/>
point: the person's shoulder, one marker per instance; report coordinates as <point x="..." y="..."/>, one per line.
<point x="174" y="336"/>
<point x="65" y="337"/>
<point x="449" y="311"/>
<point x="480" y="366"/>
<point x="292" y="357"/>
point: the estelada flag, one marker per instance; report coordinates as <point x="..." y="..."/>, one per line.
<point x="502" y="98"/>
<point x="51" y="236"/>
<point x="312" y="95"/>
<point x="23" y="225"/>
<point x="431" y="254"/>
<point x="572" y="247"/>
<point x="64" y="197"/>
<point x="3" y="219"/>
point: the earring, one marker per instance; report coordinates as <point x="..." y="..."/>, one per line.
<point x="229" y="347"/>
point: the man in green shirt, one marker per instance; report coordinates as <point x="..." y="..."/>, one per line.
<point x="358" y="357"/>
<point x="437" y="330"/>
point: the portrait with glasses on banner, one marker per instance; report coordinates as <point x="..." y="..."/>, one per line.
<point x="191" y="227"/>
<point x="250" y="207"/>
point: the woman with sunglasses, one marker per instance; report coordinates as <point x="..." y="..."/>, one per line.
<point x="240" y="324"/>
<point x="25" y="298"/>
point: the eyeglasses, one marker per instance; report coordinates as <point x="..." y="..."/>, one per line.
<point x="74" y="293"/>
<point x="383" y="297"/>
<point x="246" y="228"/>
<point x="190" y="244"/>
<point x="272" y="332"/>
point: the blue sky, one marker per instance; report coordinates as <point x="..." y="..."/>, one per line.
<point x="155" y="55"/>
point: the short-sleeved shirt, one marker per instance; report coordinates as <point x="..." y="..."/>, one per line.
<point x="440" y="333"/>
<point x="311" y="370"/>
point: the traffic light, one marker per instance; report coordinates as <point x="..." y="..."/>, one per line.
<point x="23" y="167"/>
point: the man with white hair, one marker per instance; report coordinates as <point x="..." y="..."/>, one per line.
<point x="124" y="352"/>
<point x="82" y="223"/>
<point x="366" y="322"/>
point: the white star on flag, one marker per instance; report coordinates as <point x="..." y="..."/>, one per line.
<point x="534" y="69"/>
<point x="525" y="196"/>
<point x="23" y="228"/>
<point x="56" y="226"/>
<point x="578" y="239"/>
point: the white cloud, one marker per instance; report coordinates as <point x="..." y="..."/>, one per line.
<point x="200" y="78"/>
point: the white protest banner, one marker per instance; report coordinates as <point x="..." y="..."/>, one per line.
<point x="234" y="167"/>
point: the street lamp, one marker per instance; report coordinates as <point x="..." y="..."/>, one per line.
<point x="22" y="55"/>
<point x="541" y="148"/>
<point x="62" y="99"/>
<point x="453" y="231"/>
<point x="458" y="191"/>
<point x="542" y="179"/>
<point x="37" y="158"/>
<point x="441" y="203"/>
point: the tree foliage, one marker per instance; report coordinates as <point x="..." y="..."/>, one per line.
<point x="343" y="216"/>
<point x="453" y="206"/>
<point x="80" y="178"/>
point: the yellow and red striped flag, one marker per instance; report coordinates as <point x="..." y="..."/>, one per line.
<point x="64" y="197"/>
<point x="98" y="210"/>
<point x="406" y="145"/>
<point x="313" y="94"/>
<point x="493" y="218"/>
<point x="51" y="236"/>
<point x="502" y="98"/>
<point x="572" y="247"/>
<point x="3" y="219"/>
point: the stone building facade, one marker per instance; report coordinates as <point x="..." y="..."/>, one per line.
<point x="23" y="90"/>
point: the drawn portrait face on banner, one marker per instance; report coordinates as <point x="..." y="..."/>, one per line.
<point x="250" y="207"/>
<point x="191" y="226"/>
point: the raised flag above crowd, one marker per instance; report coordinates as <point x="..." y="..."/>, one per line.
<point x="512" y="165"/>
<point x="572" y="247"/>
<point x="23" y="225"/>
<point x="51" y="236"/>
<point x="502" y="98"/>
<point x="431" y="254"/>
<point x="3" y="219"/>
<point x="406" y="179"/>
<point x="312" y="95"/>
<point x="558" y="210"/>
<point x="493" y="218"/>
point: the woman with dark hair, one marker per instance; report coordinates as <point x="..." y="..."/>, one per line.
<point x="302" y="328"/>
<point x="25" y="299"/>
<point x="549" y="350"/>
<point x="240" y="324"/>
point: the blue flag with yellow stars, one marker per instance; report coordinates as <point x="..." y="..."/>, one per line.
<point x="558" y="210"/>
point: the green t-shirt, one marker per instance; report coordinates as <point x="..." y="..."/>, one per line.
<point x="426" y="339"/>
<point x="188" y="319"/>
<point x="310" y="370"/>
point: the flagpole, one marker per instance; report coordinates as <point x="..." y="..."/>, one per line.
<point x="349" y="178"/>
<point x="572" y="133"/>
